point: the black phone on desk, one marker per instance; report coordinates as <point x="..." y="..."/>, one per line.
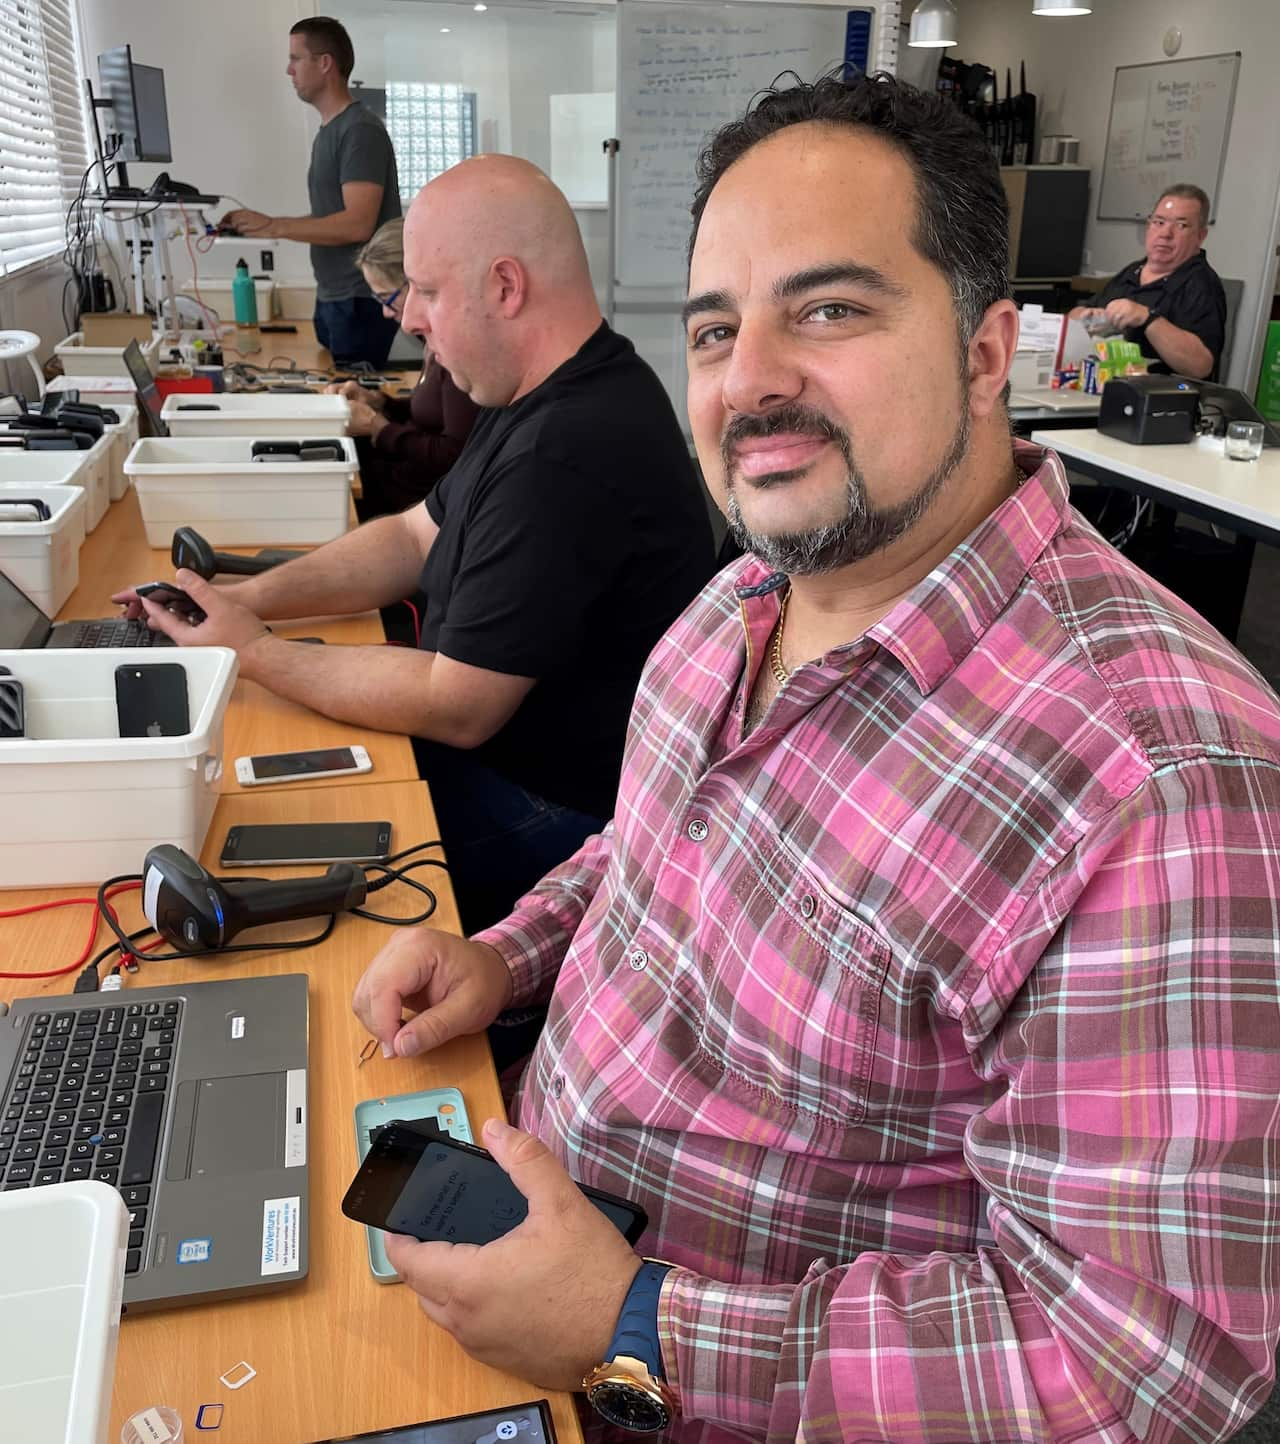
<point x="151" y="699"/>
<point x="280" y="844"/>
<point x="438" y="1188"/>
<point x="519" y="1423"/>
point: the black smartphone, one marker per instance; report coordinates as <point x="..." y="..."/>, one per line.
<point x="528" y="1423"/>
<point x="275" y="448"/>
<point x="306" y="842"/>
<point x="151" y="699"/>
<point x="173" y="599"/>
<point x="438" y="1188"/>
<point x="198" y="406"/>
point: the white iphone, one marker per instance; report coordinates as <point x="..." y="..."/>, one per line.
<point x="299" y="766"/>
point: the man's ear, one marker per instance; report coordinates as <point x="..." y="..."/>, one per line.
<point x="991" y="354"/>
<point x="509" y="286"/>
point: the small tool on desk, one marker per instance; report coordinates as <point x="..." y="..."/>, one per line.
<point x="367" y="1052"/>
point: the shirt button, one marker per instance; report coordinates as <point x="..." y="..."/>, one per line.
<point x="697" y="830"/>
<point x="638" y="959"/>
<point x="557" y="1085"/>
<point x="808" y="905"/>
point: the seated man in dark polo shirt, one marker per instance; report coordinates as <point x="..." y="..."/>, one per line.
<point x="1171" y="302"/>
<point x="566" y="538"/>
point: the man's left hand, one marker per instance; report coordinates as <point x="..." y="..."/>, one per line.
<point x="1127" y="315"/>
<point x="541" y="1302"/>
<point x="364" y="420"/>
<point x="226" y="624"/>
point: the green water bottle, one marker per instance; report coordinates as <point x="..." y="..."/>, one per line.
<point x="243" y="296"/>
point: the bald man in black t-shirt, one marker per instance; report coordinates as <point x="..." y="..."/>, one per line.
<point x="1171" y="302"/>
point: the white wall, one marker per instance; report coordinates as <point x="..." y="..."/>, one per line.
<point x="1070" y="68"/>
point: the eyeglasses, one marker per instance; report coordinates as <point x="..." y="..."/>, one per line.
<point x="387" y="301"/>
<point x="1160" y="223"/>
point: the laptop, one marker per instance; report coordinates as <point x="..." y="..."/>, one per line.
<point x="145" y="384"/>
<point x="191" y="1101"/>
<point x="25" y="628"/>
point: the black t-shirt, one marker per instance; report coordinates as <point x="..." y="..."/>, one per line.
<point x="572" y="533"/>
<point x="1192" y="298"/>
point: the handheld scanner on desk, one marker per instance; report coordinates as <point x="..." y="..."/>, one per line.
<point x="189" y="549"/>
<point x="197" y="912"/>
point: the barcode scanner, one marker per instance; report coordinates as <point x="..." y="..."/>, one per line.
<point x="191" y="550"/>
<point x="197" y="912"/>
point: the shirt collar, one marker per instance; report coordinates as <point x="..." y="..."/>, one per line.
<point x="935" y="626"/>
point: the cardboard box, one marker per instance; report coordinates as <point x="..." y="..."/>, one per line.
<point x="115" y="329"/>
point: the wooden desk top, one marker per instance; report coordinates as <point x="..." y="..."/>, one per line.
<point x="117" y="555"/>
<point x="338" y="1353"/>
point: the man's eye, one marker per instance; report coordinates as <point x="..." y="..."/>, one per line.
<point x="833" y="311"/>
<point x="711" y="335"/>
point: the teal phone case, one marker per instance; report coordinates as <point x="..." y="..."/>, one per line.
<point x="445" y="1106"/>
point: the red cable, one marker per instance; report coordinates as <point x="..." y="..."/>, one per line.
<point x="66" y="902"/>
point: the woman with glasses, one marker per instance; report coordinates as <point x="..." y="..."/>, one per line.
<point x="405" y="444"/>
<point x="1171" y="302"/>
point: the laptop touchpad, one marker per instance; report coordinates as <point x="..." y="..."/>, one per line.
<point x="228" y="1125"/>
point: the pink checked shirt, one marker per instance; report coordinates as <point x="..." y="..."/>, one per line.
<point x="936" y="1023"/>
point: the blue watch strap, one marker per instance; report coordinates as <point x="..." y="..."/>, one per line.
<point x="637" y="1333"/>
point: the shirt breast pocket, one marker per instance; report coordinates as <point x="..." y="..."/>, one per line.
<point x="792" y="989"/>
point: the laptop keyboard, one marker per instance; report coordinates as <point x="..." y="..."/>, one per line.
<point x="117" y="632"/>
<point x="88" y="1102"/>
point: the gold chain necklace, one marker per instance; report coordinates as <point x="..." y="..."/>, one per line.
<point x="780" y="673"/>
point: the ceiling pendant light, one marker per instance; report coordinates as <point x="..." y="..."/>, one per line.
<point x="933" y="24"/>
<point x="1062" y="7"/>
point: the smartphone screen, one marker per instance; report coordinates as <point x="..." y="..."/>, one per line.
<point x="254" y="846"/>
<point x="302" y="764"/>
<point x="437" y="1188"/>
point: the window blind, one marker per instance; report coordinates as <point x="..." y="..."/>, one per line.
<point x="43" y="144"/>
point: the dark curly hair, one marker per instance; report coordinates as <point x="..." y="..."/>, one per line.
<point x="962" y="217"/>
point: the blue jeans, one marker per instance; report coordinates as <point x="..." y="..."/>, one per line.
<point x="355" y="330"/>
<point x="499" y="839"/>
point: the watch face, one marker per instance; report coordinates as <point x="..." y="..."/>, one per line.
<point x="629" y="1408"/>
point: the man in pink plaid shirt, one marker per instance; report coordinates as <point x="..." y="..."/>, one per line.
<point x="924" y="988"/>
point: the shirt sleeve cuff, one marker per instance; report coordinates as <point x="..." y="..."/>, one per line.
<point x="721" y="1347"/>
<point x="532" y="943"/>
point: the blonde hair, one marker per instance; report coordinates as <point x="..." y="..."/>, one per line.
<point x="384" y="251"/>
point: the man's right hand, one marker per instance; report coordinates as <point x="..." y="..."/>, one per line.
<point x="128" y="598"/>
<point x="353" y="391"/>
<point x="454" y="987"/>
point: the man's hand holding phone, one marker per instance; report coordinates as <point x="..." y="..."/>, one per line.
<point x="542" y="1301"/>
<point x="454" y="987"/>
<point x="226" y="622"/>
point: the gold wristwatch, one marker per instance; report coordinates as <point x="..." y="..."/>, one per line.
<point x="628" y="1390"/>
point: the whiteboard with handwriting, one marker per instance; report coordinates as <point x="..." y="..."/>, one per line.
<point x="683" y="70"/>
<point x="1169" y="123"/>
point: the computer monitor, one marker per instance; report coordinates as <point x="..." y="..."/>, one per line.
<point x="136" y="96"/>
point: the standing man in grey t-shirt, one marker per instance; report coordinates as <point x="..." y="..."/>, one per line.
<point x="353" y="189"/>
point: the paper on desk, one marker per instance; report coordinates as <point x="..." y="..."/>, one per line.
<point x="1041" y="330"/>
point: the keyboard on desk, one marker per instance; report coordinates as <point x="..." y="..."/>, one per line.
<point x="117" y="632"/>
<point x="88" y="1101"/>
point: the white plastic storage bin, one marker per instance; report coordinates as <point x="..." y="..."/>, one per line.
<point x="214" y="485"/>
<point x="80" y="802"/>
<point x="123" y="435"/>
<point x="216" y="294"/>
<point x="85" y="469"/>
<point x="81" y="360"/>
<point x="42" y="557"/>
<point x="62" y="1257"/>
<point x="259" y="416"/>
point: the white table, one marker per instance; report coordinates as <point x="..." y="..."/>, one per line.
<point x="1195" y="478"/>
<point x="1243" y="496"/>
